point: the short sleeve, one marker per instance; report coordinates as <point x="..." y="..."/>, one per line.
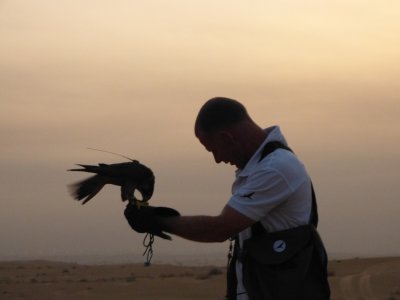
<point x="262" y="192"/>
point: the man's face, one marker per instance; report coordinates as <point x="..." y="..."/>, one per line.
<point x="223" y="147"/>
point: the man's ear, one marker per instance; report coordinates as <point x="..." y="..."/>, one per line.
<point x="226" y="137"/>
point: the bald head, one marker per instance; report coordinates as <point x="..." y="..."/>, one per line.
<point x="220" y="113"/>
<point x="224" y="128"/>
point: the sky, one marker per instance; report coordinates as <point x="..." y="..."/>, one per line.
<point x="130" y="77"/>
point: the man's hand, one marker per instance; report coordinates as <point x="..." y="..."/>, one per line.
<point x="148" y="218"/>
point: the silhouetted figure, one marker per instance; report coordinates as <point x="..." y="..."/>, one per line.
<point x="130" y="176"/>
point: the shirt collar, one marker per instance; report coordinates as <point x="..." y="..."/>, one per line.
<point x="274" y="134"/>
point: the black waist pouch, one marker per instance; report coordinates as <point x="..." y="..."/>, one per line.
<point x="285" y="265"/>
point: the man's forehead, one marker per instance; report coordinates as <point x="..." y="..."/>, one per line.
<point x="206" y="139"/>
<point x="202" y="136"/>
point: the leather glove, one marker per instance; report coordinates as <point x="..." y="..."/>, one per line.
<point x="147" y="218"/>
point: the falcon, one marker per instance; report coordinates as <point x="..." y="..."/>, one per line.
<point x="130" y="176"/>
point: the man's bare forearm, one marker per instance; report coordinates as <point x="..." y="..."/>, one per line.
<point x="197" y="228"/>
<point x="208" y="228"/>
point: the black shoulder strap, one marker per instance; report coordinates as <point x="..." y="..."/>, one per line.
<point x="270" y="147"/>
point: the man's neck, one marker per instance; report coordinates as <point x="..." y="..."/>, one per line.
<point x="252" y="138"/>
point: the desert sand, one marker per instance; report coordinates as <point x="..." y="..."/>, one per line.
<point x="351" y="279"/>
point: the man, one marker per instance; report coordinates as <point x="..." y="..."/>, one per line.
<point x="272" y="189"/>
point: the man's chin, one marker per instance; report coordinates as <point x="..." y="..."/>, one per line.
<point x="233" y="164"/>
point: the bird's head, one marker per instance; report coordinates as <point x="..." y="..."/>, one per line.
<point x="146" y="188"/>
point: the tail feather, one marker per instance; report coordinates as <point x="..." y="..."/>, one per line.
<point x="87" y="189"/>
<point x="86" y="168"/>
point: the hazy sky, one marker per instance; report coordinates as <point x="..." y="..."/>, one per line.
<point x="130" y="77"/>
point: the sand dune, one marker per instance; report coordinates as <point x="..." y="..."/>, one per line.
<point x="51" y="280"/>
<point x="367" y="279"/>
<point x="353" y="279"/>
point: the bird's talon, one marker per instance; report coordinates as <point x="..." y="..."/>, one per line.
<point x="140" y="204"/>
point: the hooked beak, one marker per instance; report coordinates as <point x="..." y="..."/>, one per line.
<point x="147" y="189"/>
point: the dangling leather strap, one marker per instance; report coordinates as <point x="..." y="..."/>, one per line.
<point x="231" y="269"/>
